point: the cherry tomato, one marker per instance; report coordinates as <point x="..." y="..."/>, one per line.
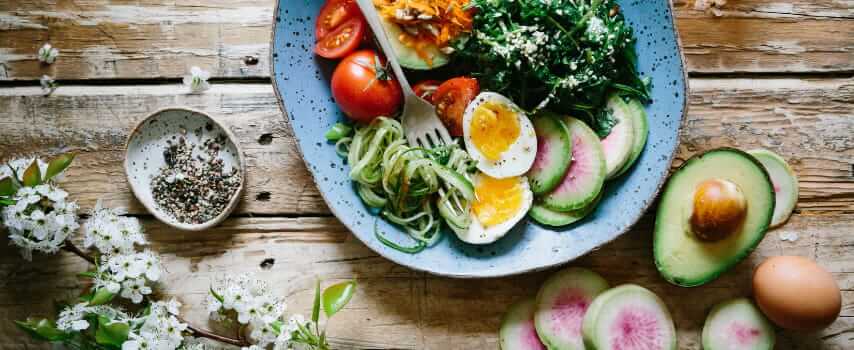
<point x="364" y="91"/>
<point x="342" y="40"/>
<point x="332" y="14"/>
<point x="426" y="88"/>
<point x="451" y="99"/>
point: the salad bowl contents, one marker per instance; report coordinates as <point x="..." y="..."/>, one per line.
<point x="551" y="105"/>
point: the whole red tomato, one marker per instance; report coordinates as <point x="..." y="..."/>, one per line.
<point x="363" y="89"/>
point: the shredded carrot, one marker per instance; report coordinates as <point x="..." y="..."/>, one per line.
<point x="430" y="22"/>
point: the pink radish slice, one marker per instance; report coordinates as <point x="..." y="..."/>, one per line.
<point x="586" y="174"/>
<point x="561" y="305"/>
<point x="629" y="317"/>
<point x="618" y="144"/>
<point x="517" y="328"/>
<point x="553" y="153"/>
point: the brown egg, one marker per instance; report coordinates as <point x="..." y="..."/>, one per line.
<point x="795" y="293"/>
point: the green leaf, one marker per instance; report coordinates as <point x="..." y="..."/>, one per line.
<point x="33" y="175"/>
<point x="87" y="274"/>
<point x="111" y="334"/>
<point x="42" y="329"/>
<point x="7" y="187"/>
<point x="58" y="165"/>
<point x="215" y="295"/>
<point x="315" y="310"/>
<point x="338" y="131"/>
<point x="101" y="297"/>
<point x="337" y="296"/>
<point x="277" y="326"/>
<point x="4" y="202"/>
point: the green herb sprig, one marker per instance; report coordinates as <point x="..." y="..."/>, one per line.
<point x="562" y="55"/>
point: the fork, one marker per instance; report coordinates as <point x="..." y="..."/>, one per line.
<point x="420" y="123"/>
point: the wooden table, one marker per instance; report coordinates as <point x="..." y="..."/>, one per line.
<point x="769" y="74"/>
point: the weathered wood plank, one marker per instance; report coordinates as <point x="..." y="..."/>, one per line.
<point x="807" y="121"/>
<point x="107" y="39"/>
<point x="398" y="308"/>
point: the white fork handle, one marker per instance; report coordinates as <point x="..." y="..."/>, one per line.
<point x="373" y="18"/>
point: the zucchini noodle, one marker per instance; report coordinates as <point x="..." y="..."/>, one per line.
<point x="410" y="185"/>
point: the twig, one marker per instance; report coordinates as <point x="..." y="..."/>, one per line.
<point x="70" y="247"/>
<point x="196" y="332"/>
<point x="201" y="333"/>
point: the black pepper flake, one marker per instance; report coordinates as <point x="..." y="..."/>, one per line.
<point x="196" y="188"/>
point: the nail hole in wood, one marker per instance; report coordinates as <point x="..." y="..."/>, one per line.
<point x="268" y="263"/>
<point x="265" y="139"/>
<point x="263" y="196"/>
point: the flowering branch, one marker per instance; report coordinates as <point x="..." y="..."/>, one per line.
<point x="39" y="218"/>
<point x="196" y="332"/>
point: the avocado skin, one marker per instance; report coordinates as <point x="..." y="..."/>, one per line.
<point x="735" y="259"/>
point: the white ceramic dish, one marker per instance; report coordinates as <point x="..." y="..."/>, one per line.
<point x="144" y="156"/>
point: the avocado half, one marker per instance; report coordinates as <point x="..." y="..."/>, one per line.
<point x="681" y="256"/>
<point x="407" y="57"/>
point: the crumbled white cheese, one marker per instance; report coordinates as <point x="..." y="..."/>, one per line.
<point x="596" y="29"/>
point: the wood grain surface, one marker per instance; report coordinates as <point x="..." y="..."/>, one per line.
<point x="808" y="122"/>
<point x="122" y="59"/>
<point x="108" y="39"/>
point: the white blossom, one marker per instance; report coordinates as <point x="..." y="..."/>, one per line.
<point x="48" y="84"/>
<point x="197" y="81"/>
<point x="71" y="318"/>
<point x="253" y="302"/>
<point x="48" y="53"/>
<point x="110" y="232"/>
<point x="134" y="289"/>
<point x="40" y="220"/>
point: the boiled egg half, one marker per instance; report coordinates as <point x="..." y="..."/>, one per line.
<point x="499" y="136"/>
<point x="498" y="205"/>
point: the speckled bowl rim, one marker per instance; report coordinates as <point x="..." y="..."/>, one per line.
<point x="232" y="204"/>
<point x="658" y="186"/>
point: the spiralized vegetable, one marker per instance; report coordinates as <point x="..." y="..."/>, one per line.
<point x="409" y="184"/>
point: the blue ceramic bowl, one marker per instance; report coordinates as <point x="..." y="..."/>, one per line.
<point x="301" y="81"/>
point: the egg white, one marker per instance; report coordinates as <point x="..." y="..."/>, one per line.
<point x="519" y="157"/>
<point x="477" y="234"/>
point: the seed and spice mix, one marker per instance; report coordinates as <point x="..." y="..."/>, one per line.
<point x="194" y="187"/>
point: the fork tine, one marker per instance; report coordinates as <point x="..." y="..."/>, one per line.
<point x="444" y="136"/>
<point x="432" y="138"/>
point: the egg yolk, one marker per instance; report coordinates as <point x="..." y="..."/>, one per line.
<point x="497" y="200"/>
<point x="494" y="128"/>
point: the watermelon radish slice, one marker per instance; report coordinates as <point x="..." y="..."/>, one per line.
<point x="517" y="328"/>
<point x="553" y="153"/>
<point x="561" y="304"/>
<point x="618" y="144"/>
<point x="550" y="217"/>
<point x="737" y="324"/>
<point x="639" y="119"/>
<point x="586" y="174"/>
<point x="785" y="184"/>
<point x="629" y="317"/>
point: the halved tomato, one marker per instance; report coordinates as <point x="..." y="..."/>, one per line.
<point x="333" y="14"/>
<point x="426" y="88"/>
<point x="451" y="100"/>
<point x="342" y="40"/>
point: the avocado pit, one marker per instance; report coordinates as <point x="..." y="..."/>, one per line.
<point x="719" y="209"/>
